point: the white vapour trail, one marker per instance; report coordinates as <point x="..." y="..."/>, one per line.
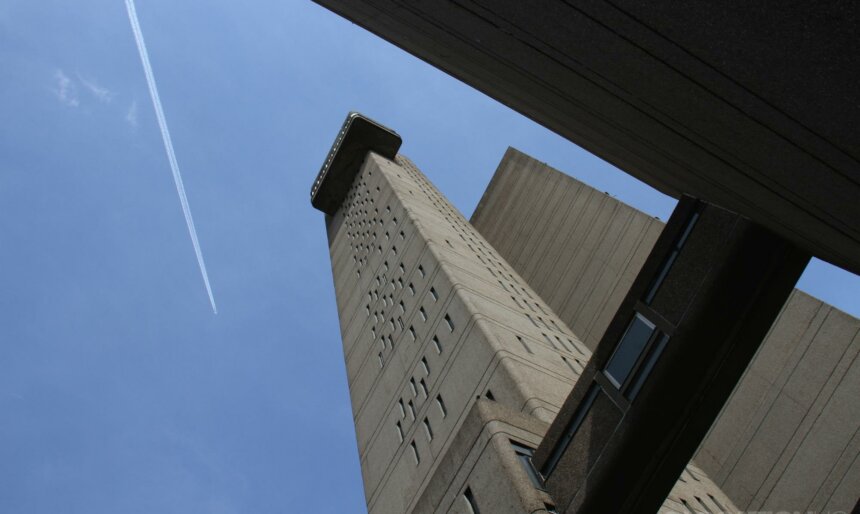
<point x="168" y="145"/>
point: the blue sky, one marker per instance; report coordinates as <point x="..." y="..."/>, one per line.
<point x="120" y="391"/>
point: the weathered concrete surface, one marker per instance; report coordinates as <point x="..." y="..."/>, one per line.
<point x="749" y="105"/>
<point x="789" y="438"/>
<point x="431" y="319"/>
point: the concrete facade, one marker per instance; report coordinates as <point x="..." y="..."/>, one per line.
<point x="752" y="106"/>
<point x="432" y="319"/>
<point x="452" y="359"/>
<point x="788" y="438"/>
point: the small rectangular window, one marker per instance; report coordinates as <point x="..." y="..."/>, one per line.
<point x="423" y="313"/>
<point x="381" y="361"/>
<point x="441" y="404"/>
<point x="400" y="322"/>
<point x="413" y="387"/>
<point x="628" y="350"/>
<point x="412" y="333"/>
<point x="402" y="308"/>
<point x="569" y="431"/>
<point x="411" y="409"/>
<point x="412" y="289"/>
<point x="402" y="410"/>
<point x="421" y="271"/>
<point x="415" y="453"/>
<point x="525" y="454"/>
<point x="670" y="260"/>
<point x="428" y="430"/>
<point x="399" y="432"/>
<point x="434" y="295"/>
<point x="570" y="365"/>
<point x="423" y="386"/>
<point x="700" y="502"/>
<point x="449" y="323"/>
<point x="471" y="504"/>
<point x="437" y="345"/>
<point x="717" y="503"/>
<point x="424" y="365"/>
<point x="523" y="342"/>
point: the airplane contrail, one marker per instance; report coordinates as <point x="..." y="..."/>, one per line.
<point x="168" y="145"/>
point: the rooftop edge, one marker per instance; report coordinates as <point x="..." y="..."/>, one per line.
<point x="358" y="136"/>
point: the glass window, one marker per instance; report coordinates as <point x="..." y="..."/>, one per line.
<point x="570" y="430"/>
<point x="449" y="323"/>
<point x="647" y="365"/>
<point x="471" y="504"/>
<point x="415" y="452"/>
<point x="524" y="454"/>
<point x="629" y="349"/>
<point x="428" y="429"/>
<point x="670" y="260"/>
<point x="441" y="405"/>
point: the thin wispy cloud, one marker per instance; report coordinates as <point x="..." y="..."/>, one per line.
<point x="131" y="114"/>
<point x="102" y="94"/>
<point x="65" y="90"/>
<point x="168" y="144"/>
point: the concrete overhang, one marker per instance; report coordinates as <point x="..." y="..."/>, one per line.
<point x="753" y="106"/>
<point x="358" y="136"/>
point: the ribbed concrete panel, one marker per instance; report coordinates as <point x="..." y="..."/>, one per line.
<point x="789" y="437"/>
<point x="555" y="230"/>
<point x="433" y="318"/>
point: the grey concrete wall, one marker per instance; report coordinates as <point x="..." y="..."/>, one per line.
<point x="405" y="262"/>
<point x="556" y="231"/>
<point x="789" y="438"/>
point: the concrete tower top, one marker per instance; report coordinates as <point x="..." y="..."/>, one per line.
<point x="358" y="135"/>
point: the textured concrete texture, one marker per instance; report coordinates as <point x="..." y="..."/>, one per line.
<point x="749" y="105"/>
<point x="789" y="438"/>
<point x="432" y="319"/>
<point x="451" y="357"/>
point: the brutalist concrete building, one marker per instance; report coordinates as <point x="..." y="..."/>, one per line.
<point x="466" y="345"/>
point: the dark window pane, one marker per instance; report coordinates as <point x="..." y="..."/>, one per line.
<point x="628" y="350"/>
<point x="645" y="369"/>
